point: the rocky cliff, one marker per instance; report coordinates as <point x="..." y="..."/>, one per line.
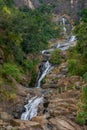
<point x="61" y="7"/>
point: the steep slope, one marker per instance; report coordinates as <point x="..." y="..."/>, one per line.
<point x="61" y="7"/>
<point x="29" y="30"/>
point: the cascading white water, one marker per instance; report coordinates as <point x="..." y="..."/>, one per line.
<point x="31" y="108"/>
<point x="63" y="21"/>
<point x="47" y="68"/>
<point x="63" y="46"/>
<point x="70" y="43"/>
<point x="33" y="103"/>
<point x="47" y="51"/>
<point x="47" y="65"/>
<point x="72" y="39"/>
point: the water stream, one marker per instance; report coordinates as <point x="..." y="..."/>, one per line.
<point x="62" y="46"/>
<point x="64" y="27"/>
<point x="31" y="108"/>
<point x="33" y="103"/>
<point x="47" y="68"/>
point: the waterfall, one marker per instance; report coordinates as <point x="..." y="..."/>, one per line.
<point x="62" y="46"/>
<point x="69" y="43"/>
<point x="31" y="108"/>
<point x="32" y="105"/>
<point x="72" y="39"/>
<point x="63" y="21"/>
<point x="47" y="67"/>
<point x="47" y="51"/>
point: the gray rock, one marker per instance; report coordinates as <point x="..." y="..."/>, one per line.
<point x="5" y="116"/>
<point x="9" y="127"/>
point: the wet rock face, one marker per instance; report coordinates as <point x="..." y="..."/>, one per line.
<point x="19" y="109"/>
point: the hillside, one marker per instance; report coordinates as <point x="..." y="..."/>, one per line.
<point x="23" y="33"/>
<point x="60" y="7"/>
<point x="43" y="65"/>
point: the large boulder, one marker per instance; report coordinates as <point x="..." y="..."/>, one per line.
<point x="5" y="116"/>
<point x="25" y="125"/>
<point x="63" y="124"/>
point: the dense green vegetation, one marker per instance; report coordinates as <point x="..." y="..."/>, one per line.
<point x="78" y="63"/>
<point x="23" y="33"/>
<point x="78" y="55"/>
<point x="82" y="107"/>
<point x="56" y="57"/>
<point x="26" y="30"/>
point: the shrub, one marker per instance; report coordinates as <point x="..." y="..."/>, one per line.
<point x="56" y="57"/>
<point x="76" y="67"/>
<point x="30" y="64"/>
<point x="12" y="70"/>
<point x="84" y="15"/>
<point x="31" y="67"/>
<point x="82" y="114"/>
<point x="33" y="79"/>
<point x="82" y="117"/>
<point x="85" y="76"/>
<point x="72" y="66"/>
